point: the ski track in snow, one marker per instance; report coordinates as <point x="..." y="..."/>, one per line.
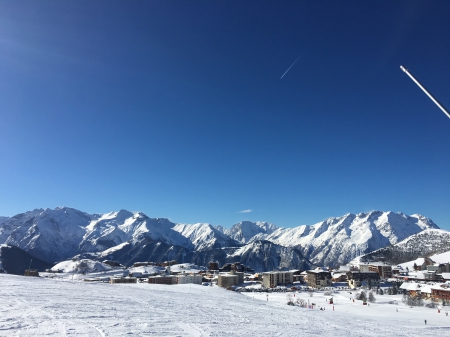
<point x="45" y="307"/>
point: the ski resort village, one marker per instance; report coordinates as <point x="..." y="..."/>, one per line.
<point x="123" y="273"/>
<point x="224" y="168"/>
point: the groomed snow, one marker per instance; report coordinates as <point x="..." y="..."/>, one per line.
<point x="41" y="306"/>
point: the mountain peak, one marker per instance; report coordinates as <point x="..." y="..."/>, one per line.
<point x="244" y="231"/>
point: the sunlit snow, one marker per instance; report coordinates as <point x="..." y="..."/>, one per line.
<point x="43" y="306"/>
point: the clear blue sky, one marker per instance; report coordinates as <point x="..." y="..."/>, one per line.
<point x="177" y="109"/>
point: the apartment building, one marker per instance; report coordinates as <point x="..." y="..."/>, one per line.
<point x="185" y="279"/>
<point x="162" y="280"/>
<point x="358" y="278"/>
<point x="319" y="278"/>
<point x="276" y="278"/>
<point x="232" y="278"/>
<point x="383" y="269"/>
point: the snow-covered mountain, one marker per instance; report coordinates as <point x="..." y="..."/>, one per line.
<point x="62" y="233"/>
<point x="428" y="242"/>
<point x="50" y="235"/>
<point x="114" y="228"/>
<point x="3" y="218"/>
<point x="205" y="237"/>
<point x="246" y="230"/>
<point x="338" y="240"/>
<point x="266" y="255"/>
<point x="59" y="234"/>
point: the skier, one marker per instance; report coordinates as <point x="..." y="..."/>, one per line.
<point x="425" y="322"/>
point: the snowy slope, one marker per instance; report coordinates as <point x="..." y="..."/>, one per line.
<point x="425" y="243"/>
<point x="80" y="266"/>
<point x="438" y="258"/>
<point x="48" y="307"/>
<point x="246" y="230"/>
<point x="187" y="268"/>
<point x="204" y="236"/>
<point x="338" y="240"/>
<point x="441" y="258"/>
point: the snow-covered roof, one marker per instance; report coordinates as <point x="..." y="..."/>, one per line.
<point x="446" y="276"/>
<point x="414" y="286"/>
<point x="426" y="289"/>
<point x="318" y="270"/>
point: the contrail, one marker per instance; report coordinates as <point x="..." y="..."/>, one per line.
<point x="291" y="66"/>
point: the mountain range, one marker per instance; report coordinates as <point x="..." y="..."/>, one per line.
<point x="53" y="235"/>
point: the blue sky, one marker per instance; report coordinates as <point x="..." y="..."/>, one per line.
<point x="177" y="109"/>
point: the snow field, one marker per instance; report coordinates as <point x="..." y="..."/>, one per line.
<point x="41" y="306"/>
<point x="399" y="315"/>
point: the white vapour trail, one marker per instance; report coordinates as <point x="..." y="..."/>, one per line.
<point x="291" y="66"/>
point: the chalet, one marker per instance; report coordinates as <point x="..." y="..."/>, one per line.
<point x="436" y="292"/>
<point x="441" y="292"/>
<point x="425" y="262"/>
<point x="413" y="289"/>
